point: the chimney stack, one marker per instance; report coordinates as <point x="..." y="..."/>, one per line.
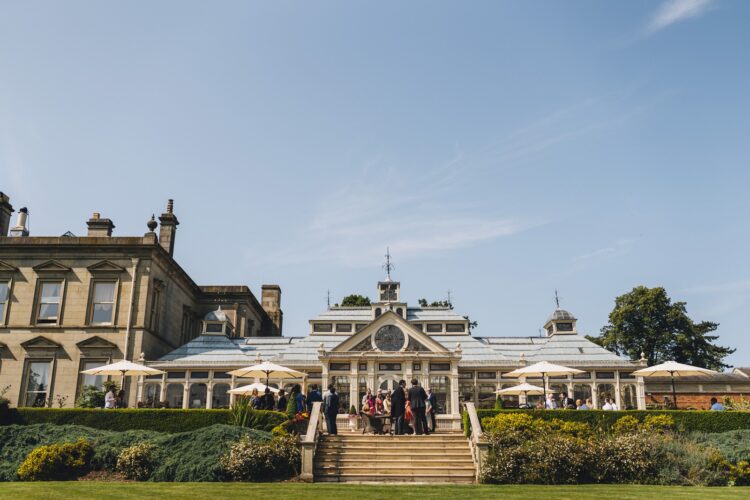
<point x="20" y="229"/>
<point x="98" y="227"/>
<point x="168" y="228"/>
<point x="5" y="210"/>
<point x="270" y="298"/>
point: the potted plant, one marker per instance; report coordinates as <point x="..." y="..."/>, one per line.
<point x="353" y="418"/>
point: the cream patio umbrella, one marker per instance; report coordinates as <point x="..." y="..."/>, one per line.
<point x="248" y="389"/>
<point x="673" y="369"/>
<point x="123" y="368"/>
<point x="519" y="389"/>
<point x="543" y="369"/>
<point x="266" y="369"/>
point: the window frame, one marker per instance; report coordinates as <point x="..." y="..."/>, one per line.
<point x="92" y="305"/>
<point x="38" y="300"/>
<point x="8" y="280"/>
<point x="23" y="393"/>
<point x="82" y="376"/>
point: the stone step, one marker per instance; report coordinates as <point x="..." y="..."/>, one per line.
<point x="394" y="478"/>
<point x="456" y="436"/>
<point x="383" y="455"/>
<point x="434" y="448"/>
<point x="393" y="465"/>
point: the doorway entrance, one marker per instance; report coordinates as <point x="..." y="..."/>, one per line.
<point x="388" y="383"/>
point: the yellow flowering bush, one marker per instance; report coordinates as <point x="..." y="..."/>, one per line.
<point x="57" y="462"/>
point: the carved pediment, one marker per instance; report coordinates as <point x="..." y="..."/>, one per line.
<point x="51" y="266"/>
<point x="40" y="343"/>
<point x="362" y="340"/>
<point x="6" y="268"/>
<point x="105" y="266"/>
<point x="96" y="343"/>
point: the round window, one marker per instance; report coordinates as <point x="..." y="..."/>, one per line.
<point x="389" y="338"/>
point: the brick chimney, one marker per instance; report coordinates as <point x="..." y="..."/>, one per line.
<point x="6" y="209"/>
<point x="168" y="228"/>
<point x="271" y="303"/>
<point x="98" y="227"/>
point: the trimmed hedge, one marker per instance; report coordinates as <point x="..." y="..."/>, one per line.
<point x="685" y="420"/>
<point x="161" y="420"/>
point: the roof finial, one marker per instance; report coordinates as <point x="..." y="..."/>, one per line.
<point x="557" y="299"/>
<point x="388" y="266"/>
<point x="328" y="298"/>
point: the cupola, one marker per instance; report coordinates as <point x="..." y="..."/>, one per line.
<point x="217" y="323"/>
<point x="560" y="322"/>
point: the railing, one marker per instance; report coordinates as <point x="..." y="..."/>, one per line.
<point x="310" y="441"/>
<point x="476" y="441"/>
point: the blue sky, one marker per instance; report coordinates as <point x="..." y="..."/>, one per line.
<point x="501" y="149"/>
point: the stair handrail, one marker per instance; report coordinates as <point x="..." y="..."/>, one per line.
<point x="310" y="441"/>
<point x="478" y="444"/>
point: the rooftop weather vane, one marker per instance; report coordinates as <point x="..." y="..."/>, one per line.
<point x="328" y="298"/>
<point x="388" y="266"/>
<point x="557" y="299"/>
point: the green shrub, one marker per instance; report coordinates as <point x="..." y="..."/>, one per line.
<point x="250" y="460"/>
<point x="621" y="459"/>
<point x="658" y="423"/>
<point x="56" y="462"/>
<point x="280" y="430"/>
<point x="682" y="461"/>
<point x="161" y="420"/>
<point x="555" y="459"/>
<point x="190" y="456"/>
<point x="137" y="462"/>
<point x="90" y="397"/>
<point x="735" y="445"/>
<point x="684" y="420"/>
<point x="739" y="475"/>
<point x="291" y="407"/>
<point x="625" y="425"/>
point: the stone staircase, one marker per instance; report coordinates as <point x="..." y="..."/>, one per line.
<point x="437" y="458"/>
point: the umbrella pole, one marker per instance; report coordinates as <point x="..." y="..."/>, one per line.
<point x="544" y="386"/>
<point x="674" y="392"/>
<point x="122" y="385"/>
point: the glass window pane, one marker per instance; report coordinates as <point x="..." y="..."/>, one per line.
<point x="48" y="311"/>
<point x="95" y="380"/>
<point x="175" y="394"/>
<point x="51" y="292"/>
<point x="220" y="396"/>
<point x="102" y="313"/>
<point x="4" y="289"/>
<point x="104" y="292"/>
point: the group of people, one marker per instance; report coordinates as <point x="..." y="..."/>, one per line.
<point x="112" y="400"/>
<point x="269" y="401"/>
<point x="411" y="411"/>
<point x="568" y="403"/>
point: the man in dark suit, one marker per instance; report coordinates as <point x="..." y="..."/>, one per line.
<point x="313" y="397"/>
<point x="398" y="407"/>
<point x="432" y="399"/>
<point x="331" y="409"/>
<point x="268" y="400"/>
<point x="417" y="402"/>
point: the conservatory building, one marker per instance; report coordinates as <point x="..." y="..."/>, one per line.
<point x="356" y="348"/>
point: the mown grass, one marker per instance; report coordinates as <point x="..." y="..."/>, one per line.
<point x="295" y="491"/>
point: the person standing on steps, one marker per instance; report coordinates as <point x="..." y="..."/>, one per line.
<point x="417" y="402"/>
<point x="432" y="408"/>
<point x="331" y="409"/>
<point x="398" y="407"/>
<point x="313" y="397"/>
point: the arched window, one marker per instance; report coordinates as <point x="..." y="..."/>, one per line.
<point x="220" y="396"/>
<point x="604" y="391"/>
<point x="628" y="397"/>
<point x="175" y="394"/>
<point x="151" y="395"/>
<point x="400" y="312"/>
<point x="341" y="383"/>
<point x="377" y="312"/>
<point x="582" y="392"/>
<point x="198" y="393"/>
<point x="441" y="388"/>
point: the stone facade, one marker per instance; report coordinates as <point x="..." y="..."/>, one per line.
<point x="70" y="303"/>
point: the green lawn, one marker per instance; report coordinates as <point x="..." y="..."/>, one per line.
<point x="297" y="491"/>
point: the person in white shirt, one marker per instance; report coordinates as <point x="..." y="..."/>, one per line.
<point x="609" y="404"/>
<point x="110" y="399"/>
<point x="550" y="404"/>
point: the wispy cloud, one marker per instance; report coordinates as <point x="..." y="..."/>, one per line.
<point x="675" y="11"/>
<point x="741" y="286"/>
<point x="620" y="246"/>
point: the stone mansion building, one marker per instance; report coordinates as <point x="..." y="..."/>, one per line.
<point x="70" y="303"/>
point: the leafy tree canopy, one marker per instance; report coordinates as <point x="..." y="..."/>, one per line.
<point x="355" y="300"/>
<point x="435" y="303"/>
<point x="646" y="320"/>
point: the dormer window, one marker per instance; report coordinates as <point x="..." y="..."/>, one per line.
<point x="217" y="323"/>
<point x="214" y="328"/>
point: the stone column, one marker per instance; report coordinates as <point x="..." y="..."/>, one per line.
<point x="163" y="389"/>
<point x="353" y="386"/>
<point x="455" y="410"/>
<point x="186" y="396"/>
<point x="139" y="391"/>
<point x="640" y="391"/>
<point x="594" y="395"/>
<point x="209" y="395"/>
<point x="570" y="386"/>
<point x="371" y="376"/>
<point x="232" y="385"/>
<point x="618" y="401"/>
<point x="522" y="400"/>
